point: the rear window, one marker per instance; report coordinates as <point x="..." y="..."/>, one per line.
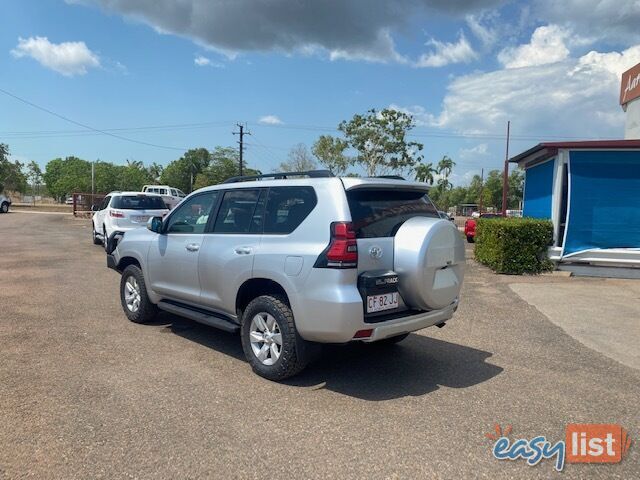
<point x="380" y="212"/>
<point x="287" y="207"/>
<point x="138" y="202"/>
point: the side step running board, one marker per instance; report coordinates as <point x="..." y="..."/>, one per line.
<point x="199" y="316"/>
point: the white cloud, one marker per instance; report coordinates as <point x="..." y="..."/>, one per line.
<point x="67" y="58"/>
<point x="202" y="61"/>
<point x="574" y="97"/>
<point x="487" y="35"/>
<point x="445" y="53"/>
<point x="480" y="150"/>
<point x="547" y="45"/>
<point x="270" y="120"/>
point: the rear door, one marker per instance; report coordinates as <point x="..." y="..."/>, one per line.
<point x="377" y="214"/>
<point x="227" y="254"/>
<point x="172" y="262"/>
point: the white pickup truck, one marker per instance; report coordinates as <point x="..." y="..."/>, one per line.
<point x="171" y="196"/>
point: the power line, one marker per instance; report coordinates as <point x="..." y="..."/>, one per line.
<point x="67" y="119"/>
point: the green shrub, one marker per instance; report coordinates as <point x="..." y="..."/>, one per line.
<point x="514" y="245"/>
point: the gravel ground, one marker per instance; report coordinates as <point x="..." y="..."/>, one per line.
<point x="86" y="394"/>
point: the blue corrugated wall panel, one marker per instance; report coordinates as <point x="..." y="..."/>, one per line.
<point x="604" y="204"/>
<point x="538" y="190"/>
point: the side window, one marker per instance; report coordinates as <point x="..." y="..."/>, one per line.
<point x="192" y="215"/>
<point x="287" y="207"/>
<point x="181" y="193"/>
<point x="174" y="193"/>
<point x="238" y="212"/>
<point x="163" y="191"/>
<point x="105" y="203"/>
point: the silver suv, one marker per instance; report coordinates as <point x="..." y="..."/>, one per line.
<point x="293" y="260"/>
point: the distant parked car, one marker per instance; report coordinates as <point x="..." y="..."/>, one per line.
<point x="470" y="225"/>
<point x="68" y="201"/>
<point x="5" y="203"/>
<point x="125" y="211"/>
<point x="171" y="196"/>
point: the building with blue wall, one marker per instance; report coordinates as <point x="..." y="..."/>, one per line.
<point x="591" y="192"/>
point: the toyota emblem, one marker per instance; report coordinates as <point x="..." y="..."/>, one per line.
<point x="375" y="252"/>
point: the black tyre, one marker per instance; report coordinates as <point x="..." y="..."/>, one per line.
<point x="96" y="240"/>
<point x="133" y="296"/>
<point x="470" y="239"/>
<point x="270" y="341"/>
<point x="392" y="340"/>
<point x="4" y="208"/>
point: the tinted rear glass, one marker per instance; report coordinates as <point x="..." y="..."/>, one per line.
<point x="287" y="207"/>
<point x="138" y="202"/>
<point x="380" y="213"/>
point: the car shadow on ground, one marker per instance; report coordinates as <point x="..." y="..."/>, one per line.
<point x="374" y="372"/>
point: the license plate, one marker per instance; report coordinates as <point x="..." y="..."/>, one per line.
<point x="384" y="301"/>
<point x="140" y="218"/>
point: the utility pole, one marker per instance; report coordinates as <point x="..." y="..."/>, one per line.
<point x="241" y="133"/>
<point x="481" y="190"/>
<point x="505" y="177"/>
<point x="93" y="178"/>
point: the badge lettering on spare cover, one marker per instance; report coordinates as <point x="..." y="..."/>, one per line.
<point x="386" y="280"/>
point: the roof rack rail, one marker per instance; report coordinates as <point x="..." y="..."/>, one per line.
<point x="391" y="177"/>
<point x="281" y="176"/>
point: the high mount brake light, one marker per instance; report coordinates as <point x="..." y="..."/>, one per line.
<point x="342" y="251"/>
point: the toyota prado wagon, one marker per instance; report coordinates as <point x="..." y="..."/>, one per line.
<point x="293" y="260"/>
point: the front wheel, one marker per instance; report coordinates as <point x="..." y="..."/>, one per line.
<point x="133" y="296"/>
<point x="470" y="239"/>
<point x="270" y="341"/>
<point x="4" y="208"/>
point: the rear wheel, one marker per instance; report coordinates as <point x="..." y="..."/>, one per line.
<point x="270" y="341"/>
<point x="133" y="296"/>
<point x="470" y="239"/>
<point x="96" y="240"/>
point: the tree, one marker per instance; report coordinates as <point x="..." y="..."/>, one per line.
<point x="516" y="188"/>
<point x="330" y="152"/>
<point x="380" y="141"/>
<point x="182" y="173"/>
<point x="225" y="163"/>
<point x="34" y="174"/>
<point x="64" y="177"/>
<point x="133" y="176"/>
<point x="493" y="189"/>
<point x="300" y="160"/>
<point x="444" y="169"/>
<point x="155" y="172"/>
<point x="425" y="173"/>
<point x="11" y="176"/>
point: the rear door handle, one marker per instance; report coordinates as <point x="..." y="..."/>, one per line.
<point x="193" y="247"/>
<point x="243" y="250"/>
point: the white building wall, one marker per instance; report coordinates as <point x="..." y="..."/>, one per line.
<point x="632" y="123"/>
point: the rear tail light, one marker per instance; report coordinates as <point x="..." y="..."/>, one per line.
<point x="342" y="251"/>
<point x="116" y="214"/>
<point x="363" y="333"/>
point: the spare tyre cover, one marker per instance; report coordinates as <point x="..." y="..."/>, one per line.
<point x="429" y="260"/>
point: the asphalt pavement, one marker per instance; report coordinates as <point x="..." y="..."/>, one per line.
<point x="84" y="393"/>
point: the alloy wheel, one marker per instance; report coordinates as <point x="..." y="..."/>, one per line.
<point x="266" y="338"/>
<point x="132" y="296"/>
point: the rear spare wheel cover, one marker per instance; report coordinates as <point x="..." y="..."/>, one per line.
<point x="429" y="260"/>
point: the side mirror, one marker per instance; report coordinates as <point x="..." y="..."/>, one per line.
<point x="155" y="224"/>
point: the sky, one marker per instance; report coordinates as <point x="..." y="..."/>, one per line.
<point x="162" y="76"/>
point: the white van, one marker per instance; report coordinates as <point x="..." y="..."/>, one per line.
<point x="171" y="196"/>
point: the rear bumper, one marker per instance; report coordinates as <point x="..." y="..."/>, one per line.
<point x="411" y="324"/>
